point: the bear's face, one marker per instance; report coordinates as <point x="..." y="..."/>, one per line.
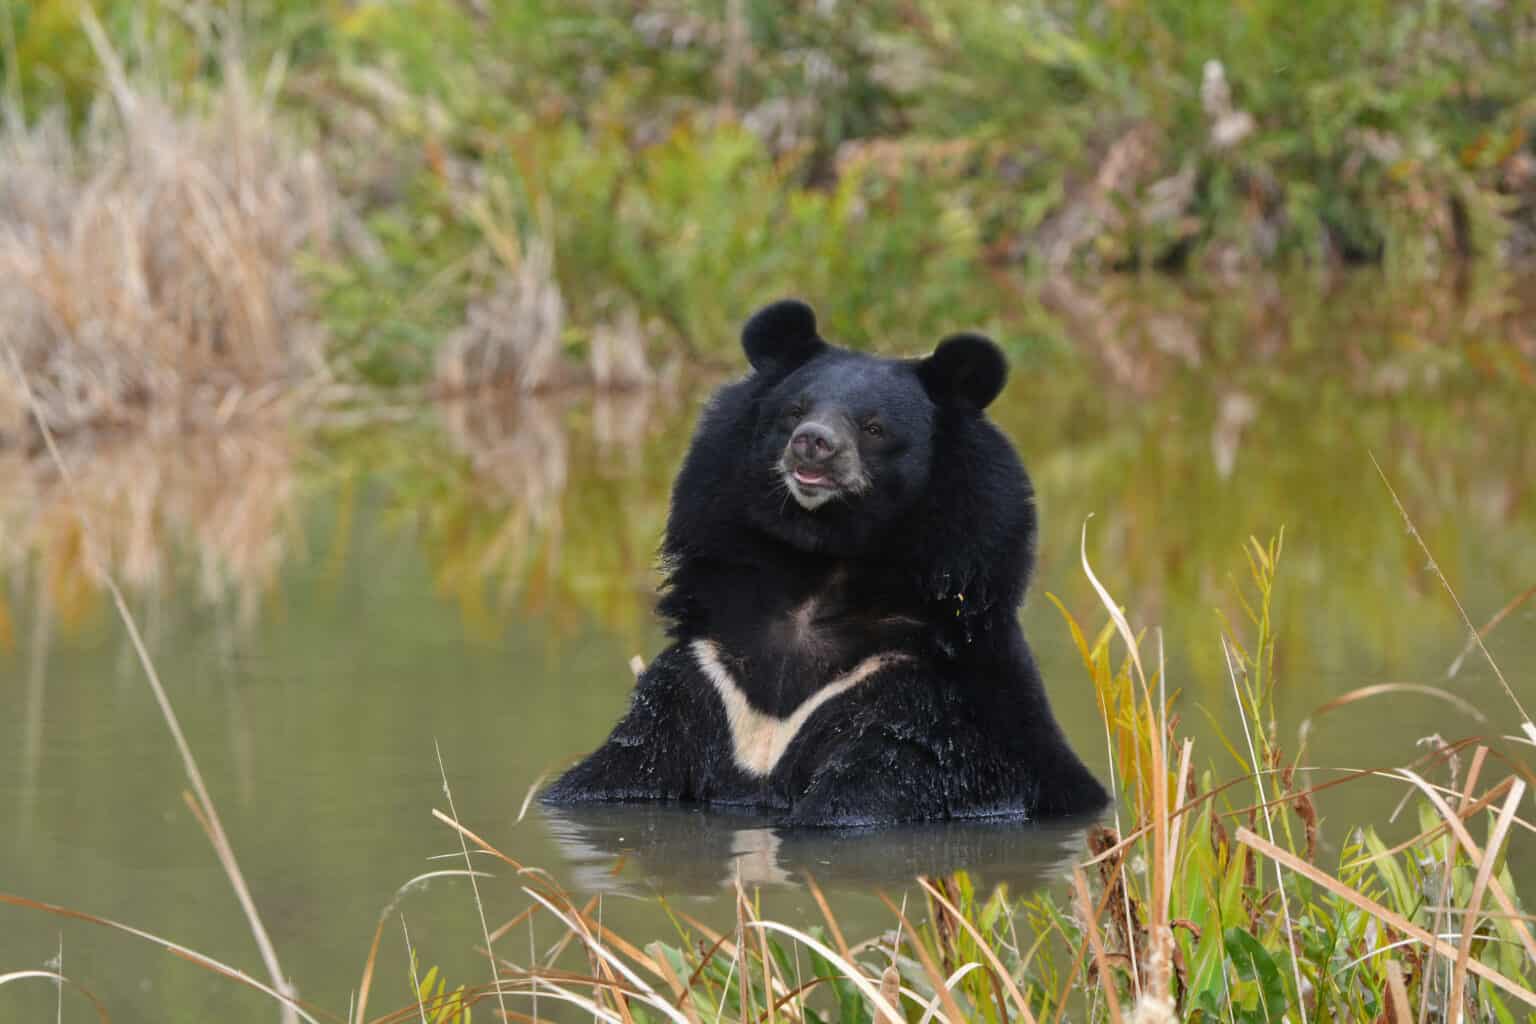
<point x="847" y="428"/>
<point x="843" y="443"/>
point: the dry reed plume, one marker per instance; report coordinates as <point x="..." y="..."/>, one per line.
<point x="148" y="266"/>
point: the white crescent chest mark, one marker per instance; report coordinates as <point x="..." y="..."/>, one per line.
<point x="759" y="739"/>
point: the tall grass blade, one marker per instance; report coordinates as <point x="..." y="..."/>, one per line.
<point x="1158" y="769"/>
<point x="827" y="916"/>
<point x="1479" y="888"/>
<point x="366" y="984"/>
<point x="946" y="988"/>
<point x="1488" y="627"/>
<point x="474" y="885"/>
<point x="185" y="952"/>
<point x="410" y="953"/>
<point x="1466" y="619"/>
<point x="1399" y="993"/>
<point x="987" y="951"/>
<point x="1096" y="944"/>
<point x="59" y="980"/>
<point x="850" y="972"/>
<point x="579" y="929"/>
<point x="941" y="992"/>
<point x="1269" y="827"/>
<point x="1459" y="830"/>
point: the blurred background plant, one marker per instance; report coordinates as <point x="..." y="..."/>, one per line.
<point x="666" y="166"/>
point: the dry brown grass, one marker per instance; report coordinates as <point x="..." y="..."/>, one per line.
<point x="513" y="337"/>
<point x="148" y="263"/>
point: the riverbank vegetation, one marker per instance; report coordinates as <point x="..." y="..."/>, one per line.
<point x="543" y="196"/>
<point x="149" y="259"/>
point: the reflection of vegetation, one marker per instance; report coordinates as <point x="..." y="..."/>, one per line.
<point x="1249" y="410"/>
<point x="544" y="505"/>
<point x="222" y="506"/>
<point x="1262" y="412"/>
<point x="1213" y="441"/>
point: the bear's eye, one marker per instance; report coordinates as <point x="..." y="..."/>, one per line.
<point x="795" y="411"/>
<point x="874" y="429"/>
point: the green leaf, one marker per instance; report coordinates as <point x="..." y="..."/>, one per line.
<point x="1254" y="964"/>
<point x="424" y="989"/>
<point x="1391" y="872"/>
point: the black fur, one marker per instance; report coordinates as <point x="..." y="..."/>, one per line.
<point x="922" y="555"/>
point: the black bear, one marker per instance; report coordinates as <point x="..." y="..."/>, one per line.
<point x="847" y="549"/>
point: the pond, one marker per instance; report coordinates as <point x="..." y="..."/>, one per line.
<point x="331" y="607"/>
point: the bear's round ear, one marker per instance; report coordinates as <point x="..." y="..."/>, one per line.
<point x="966" y="369"/>
<point x="780" y="337"/>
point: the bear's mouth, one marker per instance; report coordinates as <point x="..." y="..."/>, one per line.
<point x="811" y="488"/>
<point x="810" y="478"/>
<point x="814" y="486"/>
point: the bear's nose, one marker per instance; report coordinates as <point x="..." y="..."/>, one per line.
<point x="814" y="443"/>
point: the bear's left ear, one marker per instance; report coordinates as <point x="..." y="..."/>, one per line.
<point x="966" y="369"/>
<point x="781" y="336"/>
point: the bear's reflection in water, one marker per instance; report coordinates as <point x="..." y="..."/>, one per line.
<point x="637" y="849"/>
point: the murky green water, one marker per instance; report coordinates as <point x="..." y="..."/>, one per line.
<point x="328" y="611"/>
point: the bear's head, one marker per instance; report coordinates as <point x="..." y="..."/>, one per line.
<point x="823" y="457"/>
<point x="843" y="443"/>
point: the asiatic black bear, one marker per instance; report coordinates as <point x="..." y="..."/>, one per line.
<point x="848" y="546"/>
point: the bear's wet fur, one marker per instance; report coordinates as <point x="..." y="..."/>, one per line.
<point x="848" y="546"/>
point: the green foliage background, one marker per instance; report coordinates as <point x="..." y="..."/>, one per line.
<point x="907" y="164"/>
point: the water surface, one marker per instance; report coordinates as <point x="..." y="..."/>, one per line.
<point x="331" y="608"/>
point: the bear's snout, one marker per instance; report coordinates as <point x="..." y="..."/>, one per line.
<point x="814" y="443"/>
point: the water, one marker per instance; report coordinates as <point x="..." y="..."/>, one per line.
<point x="328" y="612"/>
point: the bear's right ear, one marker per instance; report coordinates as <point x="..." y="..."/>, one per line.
<point x="780" y="337"/>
